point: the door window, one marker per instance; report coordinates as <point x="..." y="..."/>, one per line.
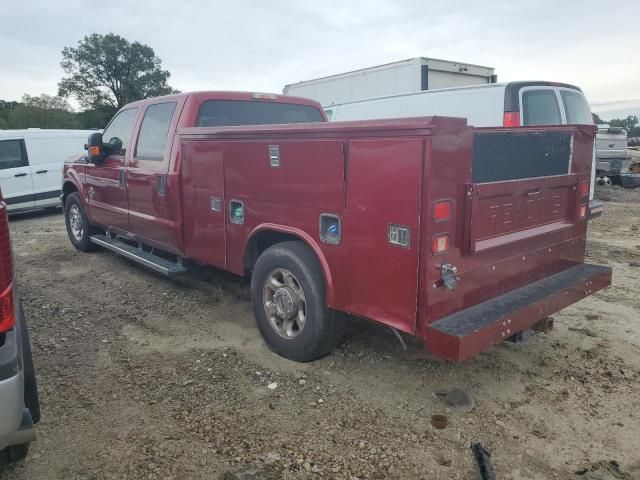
<point x="576" y="107"/>
<point x="540" y="107"/>
<point x="121" y="127"/>
<point x="12" y="155"/>
<point x="154" y="131"/>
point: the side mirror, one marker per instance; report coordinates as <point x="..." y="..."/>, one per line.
<point x="95" y="148"/>
<point x="114" y="147"/>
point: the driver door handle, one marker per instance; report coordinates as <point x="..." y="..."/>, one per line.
<point x="42" y="171"/>
<point x="20" y="175"/>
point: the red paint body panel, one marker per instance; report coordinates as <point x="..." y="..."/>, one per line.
<point x="503" y="235"/>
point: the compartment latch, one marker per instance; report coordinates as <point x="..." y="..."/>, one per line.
<point x="448" y="274"/>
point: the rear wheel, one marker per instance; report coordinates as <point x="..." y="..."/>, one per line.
<point x="289" y="303"/>
<point x="13" y="454"/>
<point x="78" y="227"/>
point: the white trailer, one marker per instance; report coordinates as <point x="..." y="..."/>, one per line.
<point x="406" y="76"/>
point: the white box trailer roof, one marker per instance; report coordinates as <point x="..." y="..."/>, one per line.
<point x="406" y="76"/>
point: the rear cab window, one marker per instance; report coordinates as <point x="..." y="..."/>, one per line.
<point x="576" y="107"/>
<point x="540" y="107"/>
<point x="224" y="113"/>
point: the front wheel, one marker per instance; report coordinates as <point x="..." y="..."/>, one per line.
<point x="289" y="303"/>
<point x="78" y="227"/>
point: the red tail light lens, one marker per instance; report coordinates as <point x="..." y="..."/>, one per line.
<point x="440" y="244"/>
<point x="511" y="119"/>
<point x="584" y="189"/>
<point x="7" y="313"/>
<point x="442" y="211"/>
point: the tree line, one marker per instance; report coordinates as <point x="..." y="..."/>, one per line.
<point x="103" y="73"/>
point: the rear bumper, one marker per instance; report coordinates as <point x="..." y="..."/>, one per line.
<point x="596" y="208"/>
<point x="464" y="334"/>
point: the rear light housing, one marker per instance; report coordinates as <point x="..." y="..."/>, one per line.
<point x="582" y="212"/>
<point x="7" y="310"/>
<point x="440" y="244"/>
<point x="442" y="210"/>
<point x="511" y="119"/>
<point x="583" y="188"/>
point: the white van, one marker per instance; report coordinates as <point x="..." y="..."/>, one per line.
<point x="31" y="165"/>
<point x="510" y="104"/>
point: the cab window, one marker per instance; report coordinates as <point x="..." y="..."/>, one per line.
<point x="540" y="107"/>
<point x="12" y="154"/>
<point x="154" y="131"/>
<point x="576" y="107"/>
<point x="121" y="127"/>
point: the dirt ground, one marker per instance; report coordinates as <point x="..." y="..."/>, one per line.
<point x="147" y="378"/>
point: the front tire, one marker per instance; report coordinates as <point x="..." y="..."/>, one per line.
<point x="288" y="295"/>
<point x="78" y="226"/>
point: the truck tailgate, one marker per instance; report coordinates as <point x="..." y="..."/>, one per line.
<point x="517" y="236"/>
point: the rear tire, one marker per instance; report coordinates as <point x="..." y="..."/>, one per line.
<point x="13" y="454"/>
<point x="78" y="227"/>
<point x="288" y="295"/>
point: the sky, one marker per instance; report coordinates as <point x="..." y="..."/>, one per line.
<point x="263" y="45"/>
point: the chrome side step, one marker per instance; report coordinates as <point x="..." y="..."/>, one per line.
<point x="149" y="260"/>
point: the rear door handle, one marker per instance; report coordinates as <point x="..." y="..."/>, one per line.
<point x="20" y="175"/>
<point x="42" y="171"/>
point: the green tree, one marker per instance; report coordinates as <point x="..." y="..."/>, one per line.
<point x="109" y="71"/>
<point x="43" y="111"/>
<point x="597" y="120"/>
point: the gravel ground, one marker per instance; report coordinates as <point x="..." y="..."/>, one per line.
<point x="147" y="378"/>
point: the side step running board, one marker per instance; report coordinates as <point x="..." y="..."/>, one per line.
<point x="149" y="260"/>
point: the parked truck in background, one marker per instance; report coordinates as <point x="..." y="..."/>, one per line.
<point x="20" y="407"/>
<point x="461" y="236"/>
<point x="406" y="76"/>
<point x="613" y="160"/>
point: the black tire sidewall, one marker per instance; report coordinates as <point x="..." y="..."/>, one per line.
<point x="84" y="244"/>
<point x="312" y="342"/>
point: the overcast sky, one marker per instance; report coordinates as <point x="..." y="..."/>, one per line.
<point x="263" y="45"/>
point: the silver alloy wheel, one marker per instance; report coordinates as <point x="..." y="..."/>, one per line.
<point x="284" y="303"/>
<point x="75" y="222"/>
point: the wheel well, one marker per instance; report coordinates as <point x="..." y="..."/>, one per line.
<point x="67" y="188"/>
<point x="260" y="242"/>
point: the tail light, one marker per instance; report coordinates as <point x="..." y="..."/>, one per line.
<point x="7" y="313"/>
<point x="441" y="210"/>
<point x="584" y="188"/>
<point x="511" y="119"/>
<point x="440" y="244"/>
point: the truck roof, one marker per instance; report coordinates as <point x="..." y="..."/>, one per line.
<point x="232" y="95"/>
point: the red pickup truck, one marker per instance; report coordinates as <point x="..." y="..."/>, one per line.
<point x="461" y="236"/>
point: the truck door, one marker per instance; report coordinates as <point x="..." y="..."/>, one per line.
<point x="15" y="175"/>
<point x="151" y="211"/>
<point x="106" y="182"/>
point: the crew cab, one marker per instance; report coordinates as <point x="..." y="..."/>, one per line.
<point x="461" y="236"/>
